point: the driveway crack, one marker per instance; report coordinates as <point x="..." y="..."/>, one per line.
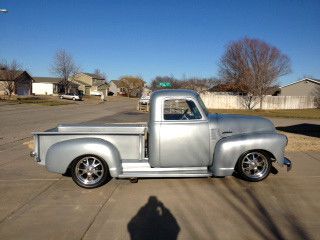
<point x="26" y="203"/>
<point x="105" y="203"/>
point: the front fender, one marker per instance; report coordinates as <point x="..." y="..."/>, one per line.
<point x="60" y="155"/>
<point x="228" y="150"/>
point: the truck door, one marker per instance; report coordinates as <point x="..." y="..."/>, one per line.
<point x="184" y="135"/>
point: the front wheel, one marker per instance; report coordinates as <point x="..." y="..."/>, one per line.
<point x="89" y="171"/>
<point x="254" y="166"/>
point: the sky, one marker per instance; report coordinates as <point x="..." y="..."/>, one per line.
<point x="150" y="38"/>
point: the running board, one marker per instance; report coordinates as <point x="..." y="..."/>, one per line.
<point x="163" y="174"/>
<point x="142" y="169"/>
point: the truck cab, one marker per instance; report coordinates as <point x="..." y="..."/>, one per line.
<point x="178" y="130"/>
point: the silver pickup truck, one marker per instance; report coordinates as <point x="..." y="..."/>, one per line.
<point x="181" y="140"/>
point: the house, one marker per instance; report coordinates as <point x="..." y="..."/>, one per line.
<point x="17" y="82"/>
<point x="51" y="86"/>
<point x="90" y="83"/>
<point x="46" y="85"/>
<point x="131" y="86"/>
<point x="303" y="87"/>
<point x="115" y="88"/>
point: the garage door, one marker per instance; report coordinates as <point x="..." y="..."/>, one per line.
<point x="23" y="89"/>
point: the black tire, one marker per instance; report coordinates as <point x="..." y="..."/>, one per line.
<point x="101" y="179"/>
<point x="73" y="99"/>
<point x="257" y="169"/>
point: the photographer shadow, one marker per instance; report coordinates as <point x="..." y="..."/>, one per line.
<point x="153" y="221"/>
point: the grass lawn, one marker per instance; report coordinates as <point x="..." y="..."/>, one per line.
<point x="292" y="113"/>
<point x="44" y="101"/>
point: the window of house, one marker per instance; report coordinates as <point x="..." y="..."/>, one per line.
<point x="180" y="109"/>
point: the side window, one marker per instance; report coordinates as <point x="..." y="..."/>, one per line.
<point x="180" y="109"/>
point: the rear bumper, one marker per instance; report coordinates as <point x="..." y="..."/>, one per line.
<point x="287" y="163"/>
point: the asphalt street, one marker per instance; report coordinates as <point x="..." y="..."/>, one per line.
<point x="36" y="204"/>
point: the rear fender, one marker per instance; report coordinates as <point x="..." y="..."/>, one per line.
<point x="60" y="155"/>
<point x="228" y="150"/>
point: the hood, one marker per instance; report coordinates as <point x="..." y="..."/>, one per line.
<point x="237" y="124"/>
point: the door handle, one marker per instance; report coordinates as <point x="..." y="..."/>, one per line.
<point x="226" y="132"/>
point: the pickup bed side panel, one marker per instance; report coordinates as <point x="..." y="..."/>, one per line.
<point x="60" y="155"/>
<point x="229" y="149"/>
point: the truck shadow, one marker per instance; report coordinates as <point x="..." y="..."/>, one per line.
<point x="153" y="221"/>
<point x="307" y="129"/>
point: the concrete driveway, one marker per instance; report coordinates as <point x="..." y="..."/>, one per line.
<point x="36" y="204"/>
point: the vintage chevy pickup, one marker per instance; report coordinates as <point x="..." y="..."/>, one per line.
<point x="181" y="139"/>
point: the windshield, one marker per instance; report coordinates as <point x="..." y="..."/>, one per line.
<point x="204" y="108"/>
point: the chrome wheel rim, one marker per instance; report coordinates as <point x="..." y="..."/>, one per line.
<point x="89" y="170"/>
<point x="254" y="165"/>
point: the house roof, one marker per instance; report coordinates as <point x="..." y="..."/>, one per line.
<point x="47" y="79"/>
<point x="17" y="73"/>
<point x="77" y="81"/>
<point x="308" y="79"/>
<point x="116" y="82"/>
<point x="94" y="76"/>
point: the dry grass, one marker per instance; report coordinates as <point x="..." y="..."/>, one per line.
<point x="44" y="101"/>
<point x="301" y="143"/>
<point x="292" y="113"/>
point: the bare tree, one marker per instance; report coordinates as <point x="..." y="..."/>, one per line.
<point x="100" y="74"/>
<point x="64" y="67"/>
<point x="198" y="84"/>
<point x="253" y="66"/>
<point x="9" y="74"/>
<point x="133" y="85"/>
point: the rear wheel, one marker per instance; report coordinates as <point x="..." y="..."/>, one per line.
<point x="89" y="171"/>
<point x="254" y="166"/>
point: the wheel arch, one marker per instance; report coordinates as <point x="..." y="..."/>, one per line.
<point x="82" y="156"/>
<point x="61" y="155"/>
<point x="261" y="150"/>
<point x="229" y="150"/>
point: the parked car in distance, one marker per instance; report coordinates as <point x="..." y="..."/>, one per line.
<point x="71" y="96"/>
<point x="95" y="93"/>
<point x="144" y="99"/>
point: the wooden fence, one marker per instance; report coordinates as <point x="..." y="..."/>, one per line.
<point x="217" y="101"/>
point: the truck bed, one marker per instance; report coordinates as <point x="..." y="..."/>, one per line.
<point x="129" y="139"/>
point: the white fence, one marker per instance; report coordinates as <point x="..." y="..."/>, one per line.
<point x="216" y="101"/>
